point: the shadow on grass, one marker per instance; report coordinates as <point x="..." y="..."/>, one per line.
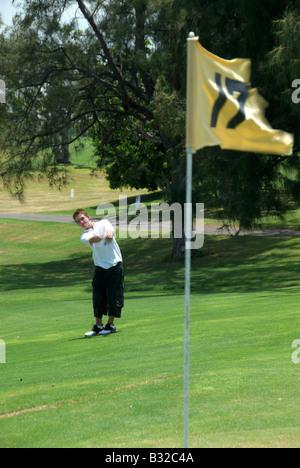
<point x="58" y="273"/>
<point x="223" y="265"/>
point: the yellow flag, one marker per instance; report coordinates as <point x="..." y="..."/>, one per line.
<point x="223" y="109"/>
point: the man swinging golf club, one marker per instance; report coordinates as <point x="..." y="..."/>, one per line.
<point x="108" y="281"/>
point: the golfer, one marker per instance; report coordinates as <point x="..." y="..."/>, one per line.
<point x="108" y="281"/>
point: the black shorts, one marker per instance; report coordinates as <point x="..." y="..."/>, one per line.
<point x="108" y="291"/>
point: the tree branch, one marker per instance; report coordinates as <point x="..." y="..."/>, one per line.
<point x="144" y="113"/>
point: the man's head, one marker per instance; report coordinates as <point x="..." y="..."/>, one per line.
<point x="82" y="219"/>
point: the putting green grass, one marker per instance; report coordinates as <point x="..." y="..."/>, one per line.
<point x="59" y="389"/>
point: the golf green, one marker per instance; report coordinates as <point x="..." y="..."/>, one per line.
<point x="59" y="389"/>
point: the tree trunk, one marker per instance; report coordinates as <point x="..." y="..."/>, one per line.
<point x="61" y="145"/>
<point x="179" y="247"/>
<point x="178" y="239"/>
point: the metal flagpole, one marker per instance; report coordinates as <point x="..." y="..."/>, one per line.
<point x="188" y="237"/>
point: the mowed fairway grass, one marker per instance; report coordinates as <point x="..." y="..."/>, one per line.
<point x="59" y="389"/>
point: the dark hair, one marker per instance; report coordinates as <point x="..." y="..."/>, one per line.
<point x="78" y="212"/>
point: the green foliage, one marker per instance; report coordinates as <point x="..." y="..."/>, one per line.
<point x="284" y="63"/>
<point x="122" y="80"/>
<point x="128" y="160"/>
<point x="243" y="187"/>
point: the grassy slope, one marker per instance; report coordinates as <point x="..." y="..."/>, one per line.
<point x="90" y="190"/>
<point x="125" y="390"/>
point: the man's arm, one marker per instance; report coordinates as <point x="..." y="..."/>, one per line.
<point x="109" y="235"/>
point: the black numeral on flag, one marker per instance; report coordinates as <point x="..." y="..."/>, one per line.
<point x="219" y="102"/>
<point x="232" y="86"/>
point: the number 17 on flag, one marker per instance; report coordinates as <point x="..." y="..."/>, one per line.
<point x="223" y="109"/>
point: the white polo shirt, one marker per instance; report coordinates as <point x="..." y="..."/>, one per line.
<point x="106" y="253"/>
